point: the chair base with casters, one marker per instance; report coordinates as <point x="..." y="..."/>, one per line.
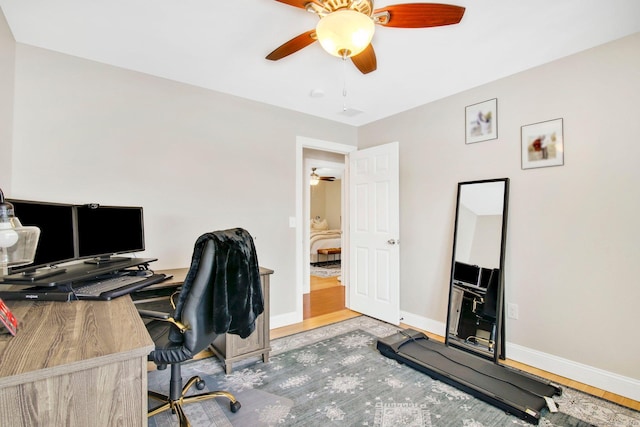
<point x="475" y="340"/>
<point x="177" y="396"/>
<point x="159" y="329"/>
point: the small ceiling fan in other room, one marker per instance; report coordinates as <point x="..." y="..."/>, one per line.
<point x="346" y="27"/>
<point x="315" y="178"/>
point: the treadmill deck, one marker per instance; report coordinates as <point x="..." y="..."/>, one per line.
<point x="514" y="391"/>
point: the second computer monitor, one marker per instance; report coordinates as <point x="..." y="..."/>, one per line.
<point x="104" y="231"/>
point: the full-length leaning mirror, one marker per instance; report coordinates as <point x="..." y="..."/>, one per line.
<point x="475" y="316"/>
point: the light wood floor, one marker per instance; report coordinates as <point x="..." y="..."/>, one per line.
<point x="327" y="296"/>
<point x="325" y="305"/>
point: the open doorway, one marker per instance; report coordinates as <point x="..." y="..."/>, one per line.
<point x="330" y="159"/>
<point x="326" y="293"/>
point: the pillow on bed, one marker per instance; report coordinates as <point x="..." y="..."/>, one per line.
<point x="319" y="225"/>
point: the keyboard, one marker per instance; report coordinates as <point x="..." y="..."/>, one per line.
<point x="116" y="286"/>
<point x="470" y="286"/>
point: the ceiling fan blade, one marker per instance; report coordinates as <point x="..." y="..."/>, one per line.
<point x="293" y="45"/>
<point x="420" y="15"/>
<point x="295" y="3"/>
<point x="365" y="61"/>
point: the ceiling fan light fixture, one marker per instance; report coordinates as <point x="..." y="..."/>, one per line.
<point x="345" y="32"/>
<point x="315" y="178"/>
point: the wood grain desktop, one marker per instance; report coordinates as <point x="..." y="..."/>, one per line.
<point x="75" y="363"/>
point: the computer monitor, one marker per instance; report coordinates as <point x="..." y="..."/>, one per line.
<point x="104" y="231"/>
<point x="57" y="237"/>
<point x="466" y="273"/>
<point x="485" y="276"/>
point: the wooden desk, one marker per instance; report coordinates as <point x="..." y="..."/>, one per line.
<point x="161" y="292"/>
<point x="227" y="347"/>
<point x="82" y="363"/>
<point x="179" y="274"/>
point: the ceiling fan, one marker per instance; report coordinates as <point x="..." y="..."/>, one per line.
<point x="315" y="178"/>
<point x="346" y="27"/>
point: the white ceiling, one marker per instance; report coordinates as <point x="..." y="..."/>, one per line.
<point x="221" y="46"/>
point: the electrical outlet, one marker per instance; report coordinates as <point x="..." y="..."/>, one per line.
<point x="512" y="311"/>
<point x="292" y="221"/>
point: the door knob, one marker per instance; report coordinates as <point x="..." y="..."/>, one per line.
<point x="393" y="242"/>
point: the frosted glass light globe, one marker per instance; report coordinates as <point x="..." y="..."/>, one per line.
<point x="345" y="32"/>
<point x="8" y="237"/>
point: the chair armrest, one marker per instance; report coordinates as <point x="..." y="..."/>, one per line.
<point x="165" y="317"/>
<point x="152" y="314"/>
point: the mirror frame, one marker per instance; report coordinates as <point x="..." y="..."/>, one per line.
<point x="499" y="344"/>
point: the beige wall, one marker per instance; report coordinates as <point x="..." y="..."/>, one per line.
<point x="325" y="202"/>
<point x="572" y="251"/>
<point x="317" y="201"/>
<point x="196" y="160"/>
<point x="7" y="51"/>
<point x="333" y="204"/>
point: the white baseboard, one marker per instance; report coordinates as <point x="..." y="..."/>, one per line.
<point x="423" y="323"/>
<point x="284" y="320"/>
<point x="605" y="380"/>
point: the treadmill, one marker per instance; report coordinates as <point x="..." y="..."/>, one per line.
<point x="509" y="389"/>
<point x="476" y="313"/>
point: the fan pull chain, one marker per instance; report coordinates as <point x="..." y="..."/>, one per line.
<point x="344" y="81"/>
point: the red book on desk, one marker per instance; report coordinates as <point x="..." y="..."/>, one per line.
<point x="8" y="319"/>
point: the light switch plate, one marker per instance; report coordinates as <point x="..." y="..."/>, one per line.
<point x="512" y="311"/>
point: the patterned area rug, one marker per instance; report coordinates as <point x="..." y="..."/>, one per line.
<point x="326" y="270"/>
<point x="334" y="376"/>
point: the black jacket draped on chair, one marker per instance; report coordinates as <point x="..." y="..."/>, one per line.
<point x="237" y="293"/>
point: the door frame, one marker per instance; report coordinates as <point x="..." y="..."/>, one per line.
<point x="302" y="182"/>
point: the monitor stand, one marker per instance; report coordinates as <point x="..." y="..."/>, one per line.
<point x="34" y="275"/>
<point x="106" y="260"/>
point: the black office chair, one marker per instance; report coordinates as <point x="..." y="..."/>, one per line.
<point x="221" y="293"/>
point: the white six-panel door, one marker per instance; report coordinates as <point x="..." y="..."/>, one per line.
<point x="374" y="254"/>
